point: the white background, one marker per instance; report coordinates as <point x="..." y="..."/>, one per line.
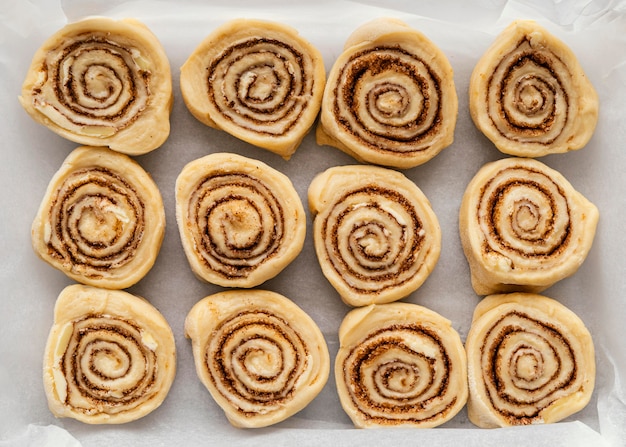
<point x="30" y="154"/>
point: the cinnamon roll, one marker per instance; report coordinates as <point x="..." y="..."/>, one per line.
<point x="523" y="227"/>
<point x="376" y="236"/>
<point x="110" y="357"/>
<point x="390" y="98"/>
<point x="529" y="95"/>
<point x="261" y="357"/>
<point x="102" y="82"/>
<point x="101" y="221"/>
<point x="259" y="81"/>
<point x="241" y="222"/>
<point x="530" y="361"/>
<point x="400" y="364"/>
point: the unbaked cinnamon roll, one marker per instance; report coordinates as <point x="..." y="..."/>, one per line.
<point x="530" y="361"/>
<point x="523" y="227"/>
<point x="390" y="97"/>
<point x="259" y="81"/>
<point x="241" y="222"/>
<point x="101" y="221"/>
<point x="400" y="364"/>
<point x="102" y="82"/>
<point x="529" y="95"/>
<point x="110" y="357"/>
<point x="376" y="236"/>
<point x="261" y="357"/>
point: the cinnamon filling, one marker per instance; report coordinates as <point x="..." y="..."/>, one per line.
<point x="97" y="221"/>
<point x="107" y="367"/>
<point x="238" y="223"/>
<point x="262" y="85"/>
<point x="255" y="360"/>
<point x="389" y="99"/>
<point x="527" y="364"/>
<point x="368" y="240"/>
<point x="528" y="95"/>
<point x="93" y="81"/>
<point x="391" y="382"/>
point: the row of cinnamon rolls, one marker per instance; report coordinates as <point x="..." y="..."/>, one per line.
<point x="110" y="358"/>
<point x="389" y="99"/>
<point x="523" y="225"/>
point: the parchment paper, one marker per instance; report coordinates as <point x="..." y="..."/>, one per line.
<point x="31" y="154"/>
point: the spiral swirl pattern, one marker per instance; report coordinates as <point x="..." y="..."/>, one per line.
<point x="222" y="206"/>
<point x="255" y="360"/>
<point x="241" y="224"/>
<point x="110" y="356"/>
<point x="104" y="83"/>
<point x="107" y="366"/>
<point x="525" y="224"/>
<point x="373" y="243"/>
<point x="261" y="85"/>
<point x="102" y="220"/>
<point x="527" y="217"/>
<point x="529" y="96"/>
<point x="91" y="198"/>
<point x="376" y="241"/>
<point x="261" y="357"/>
<point x="527" y="361"/>
<point x="399" y="370"/>
<point x="97" y="82"/>
<point x="527" y="99"/>
<point x="390" y="101"/>
<point x="259" y="81"/>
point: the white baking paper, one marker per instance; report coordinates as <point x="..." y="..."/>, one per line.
<point x="31" y="154"/>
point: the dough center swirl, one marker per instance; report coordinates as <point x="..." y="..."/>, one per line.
<point x="373" y="236"/>
<point x="526" y="96"/>
<point x="400" y="373"/>
<point x="262" y="85"/>
<point x="525" y="216"/>
<point x="106" y="365"/>
<point x="96" y="83"/>
<point x="96" y="221"/>
<point x="240" y="223"/>
<point x="528" y="365"/>
<point x="390" y="99"/>
<point x="255" y="360"/>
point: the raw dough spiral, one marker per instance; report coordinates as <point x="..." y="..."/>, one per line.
<point x="390" y="97"/>
<point x="101" y="221"/>
<point x="529" y="95"/>
<point x="530" y="361"/>
<point x="241" y="222"/>
<point x="261" y="357"/>
<point x="376" y="236"/>
<point x="523" y="227"/>
<point x="102" y="82"/>
<point x="400" y="364"/>
<point x="259" y="81"/>
<point x="110" y="356"/>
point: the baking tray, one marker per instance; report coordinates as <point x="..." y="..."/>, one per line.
<point x="31" y="154"/>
